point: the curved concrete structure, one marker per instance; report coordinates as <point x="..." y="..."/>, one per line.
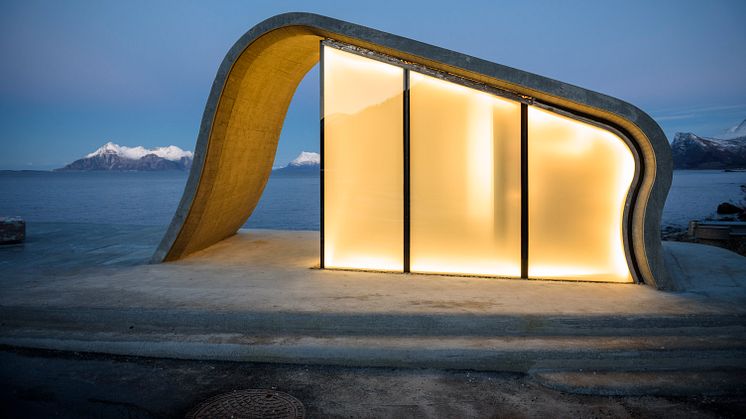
<point x="258" y="77"/>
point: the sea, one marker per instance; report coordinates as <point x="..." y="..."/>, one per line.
<point x="289" y="202"/>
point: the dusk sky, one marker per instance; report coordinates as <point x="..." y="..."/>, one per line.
<point x="76" y="74"/>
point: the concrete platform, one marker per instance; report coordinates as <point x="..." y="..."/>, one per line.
<point x="257" y="297"/>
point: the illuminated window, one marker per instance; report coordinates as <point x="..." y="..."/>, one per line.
<point x="465" y="180"/>
<point x="455" y="192"/>
<point x="579" y="176"/>
<point x="363" y="166"/>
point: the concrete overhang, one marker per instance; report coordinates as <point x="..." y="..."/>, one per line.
<point x="256" y="81"/>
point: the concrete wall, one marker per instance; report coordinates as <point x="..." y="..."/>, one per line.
<point x="256" y="81"/>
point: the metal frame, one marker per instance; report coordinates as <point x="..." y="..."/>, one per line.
<point x="418" y="68"/>
<point x="406" y="158"/>
<point x="321" y="153"/>
<point x="524" y="100"/>
<point x="524" y="191"/>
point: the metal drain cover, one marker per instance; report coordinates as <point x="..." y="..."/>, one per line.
<point x="252" y="403"/>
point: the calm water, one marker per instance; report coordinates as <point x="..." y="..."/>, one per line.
<point x="145" y="198"/>
<point x="289" y="202"/>
<point x="695" y="194"/>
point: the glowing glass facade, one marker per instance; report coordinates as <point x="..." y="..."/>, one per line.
<point x="363" y="169"/>
<point x="465" y="180"/>
<point x="579" y="176"/>
<point x="424" y="174"/>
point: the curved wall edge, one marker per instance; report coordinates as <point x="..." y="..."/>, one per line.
<point x="256" y="80"/>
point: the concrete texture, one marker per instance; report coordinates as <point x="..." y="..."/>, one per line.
<point x="256" y="297"/>
<point x="66" y="385"/>
<point x="255" y="83"/>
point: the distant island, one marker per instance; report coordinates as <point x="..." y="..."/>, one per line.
<point x="691" y="151"/>
<point x="306" y="162"/>
<point x="113" y="157"/>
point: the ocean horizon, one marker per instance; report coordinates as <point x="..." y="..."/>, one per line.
<point x="290" y="200"/>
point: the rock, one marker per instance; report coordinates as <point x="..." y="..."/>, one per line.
<point x="728" y="208"/>
<point x="12" y="230"/>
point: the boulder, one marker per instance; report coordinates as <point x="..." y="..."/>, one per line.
<point x="12" y="230"/>
<point x="728" y="208"/>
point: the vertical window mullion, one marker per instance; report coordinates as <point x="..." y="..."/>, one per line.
<point x="406" y="172"/>
<point x="524" y="191"/>
<point x="321" y="153"/>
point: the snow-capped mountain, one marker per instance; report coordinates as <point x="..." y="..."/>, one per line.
<point x="306" y="158"/>
<point x="306" y="162"/>
<point x="112" y="156"/>
<point x="691" y="151"/>
<point x="171" y="152"/>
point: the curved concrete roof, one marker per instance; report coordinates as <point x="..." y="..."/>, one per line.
<point x="253" y="87"/>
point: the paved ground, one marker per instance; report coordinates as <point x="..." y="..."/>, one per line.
<point x="257" y="298"/>
<point x="85" y="265"/>
<point x="71" y="385"/>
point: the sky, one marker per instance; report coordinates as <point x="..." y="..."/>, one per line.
<point x="76" y="74"/>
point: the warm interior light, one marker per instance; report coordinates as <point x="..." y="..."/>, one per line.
<point x="465" y="180"/>
<point x="579" y="176"/>
<point x="363" y="159"/>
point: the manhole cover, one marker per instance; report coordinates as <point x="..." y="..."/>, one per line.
<point x="250" y="404"/>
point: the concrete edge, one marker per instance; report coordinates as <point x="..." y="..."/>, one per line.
<point x="154" y="321"/>
<point x="622" y="376"/>
<point x="396" y="353"/>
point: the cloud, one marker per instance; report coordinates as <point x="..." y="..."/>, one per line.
<point x="691" y="112"/>
<point x="674" y="117"/>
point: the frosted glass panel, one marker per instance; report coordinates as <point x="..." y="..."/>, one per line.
<point x="363" y="163"/>
<point x="579" y="176"/>
<point x="465" y="180"/>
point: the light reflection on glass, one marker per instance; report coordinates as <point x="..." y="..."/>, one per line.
<point x="363" y="163"/>
<point x="465" y="180"/>
<point x="579" y="176"/>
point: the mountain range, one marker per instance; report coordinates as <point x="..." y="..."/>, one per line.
<point x="114" y="157"/>
<point x="691" y="151"/>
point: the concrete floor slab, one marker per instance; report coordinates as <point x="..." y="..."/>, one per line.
<point x="273" y="271"/>
<point x="257" y="296"/>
